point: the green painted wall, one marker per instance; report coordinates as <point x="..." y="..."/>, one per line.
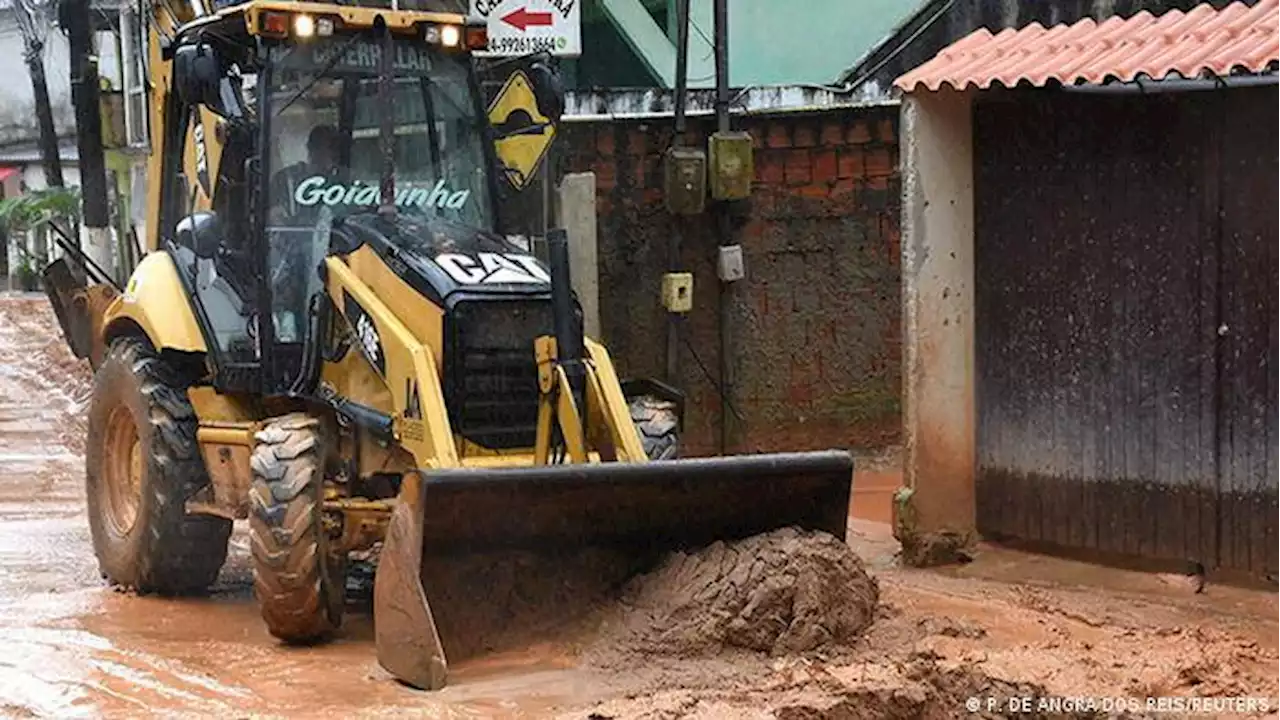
<point x="812" y="41"/>
<point x="771" y="42"/>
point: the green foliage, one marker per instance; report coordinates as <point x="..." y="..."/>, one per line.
<point x="27" y="211"/>
<point x="27" y="277"/>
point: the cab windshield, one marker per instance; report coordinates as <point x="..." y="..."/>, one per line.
<point x="324" y="154"/>
<point x="324" y="133"/>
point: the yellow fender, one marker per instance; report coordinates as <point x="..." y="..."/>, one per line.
<point x="155" y="302"/>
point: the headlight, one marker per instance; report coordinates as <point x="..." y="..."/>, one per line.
<point x="450" y="36"/>
<point x="304" y="26"/>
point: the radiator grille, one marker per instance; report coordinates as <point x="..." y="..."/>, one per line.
<point x="491" y="385"/>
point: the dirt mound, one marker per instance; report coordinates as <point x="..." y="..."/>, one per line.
<point x="780" y="593"/>
<point x="776" y="594"/>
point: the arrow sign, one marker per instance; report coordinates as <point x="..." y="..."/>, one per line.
<point x="520" y="27"/>
<point x="521" y="19"/>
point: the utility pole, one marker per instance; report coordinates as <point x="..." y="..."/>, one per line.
<point x="75" y="18"/>
<point x="677" y="230"/>
<point x="33" y="22"/>
<point x="724" y="226"/>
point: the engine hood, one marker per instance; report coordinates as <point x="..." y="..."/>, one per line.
<point x="445" y="260"/>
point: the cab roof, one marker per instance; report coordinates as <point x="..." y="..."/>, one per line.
<point x="245" y="18"/>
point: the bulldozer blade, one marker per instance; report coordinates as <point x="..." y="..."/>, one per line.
<point x="636" y="511"/>
<point x="407" y="641"/>
<point x="653" y="506"/>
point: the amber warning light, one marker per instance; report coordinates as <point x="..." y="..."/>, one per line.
<point x="456" y="36"/>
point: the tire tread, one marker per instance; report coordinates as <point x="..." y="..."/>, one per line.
<point x="658" y="425"/>
<point x="297" y="600"/>
<point x="180" y="553"/>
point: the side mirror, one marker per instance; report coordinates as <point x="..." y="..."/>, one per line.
<point x="197" y="74"/>
<point x="548" y="89"/>
<point x="202" y="232"/>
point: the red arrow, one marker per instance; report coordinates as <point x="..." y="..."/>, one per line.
<point x="522" y="19"/>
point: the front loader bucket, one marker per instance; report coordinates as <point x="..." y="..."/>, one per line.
<point x="636" y="511"/>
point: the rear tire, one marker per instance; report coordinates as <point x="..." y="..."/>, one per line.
<point x="298" y="585"/>
<point x="659" y="427"/>
<point x="142" y="462"/>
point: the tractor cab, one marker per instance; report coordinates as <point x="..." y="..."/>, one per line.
<point x="332" y="128"/>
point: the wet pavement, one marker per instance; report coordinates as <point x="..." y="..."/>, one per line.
<point x="76" y="648"/>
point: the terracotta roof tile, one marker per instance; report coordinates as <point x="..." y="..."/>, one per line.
<point x="1190" y="44"/>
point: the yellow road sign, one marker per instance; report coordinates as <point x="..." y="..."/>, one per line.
<point x="515" y="108"/>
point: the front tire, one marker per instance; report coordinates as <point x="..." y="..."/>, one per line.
<point x="142" y="463"/>
<point x="658" y="425"/>
<point x="298" y="585"/>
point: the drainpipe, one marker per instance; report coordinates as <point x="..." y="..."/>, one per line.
<point x="721" y="11"/>
<point x="675" y="240"/>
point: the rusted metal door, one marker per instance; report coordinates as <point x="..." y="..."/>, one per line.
<point x="1126" y="323"/>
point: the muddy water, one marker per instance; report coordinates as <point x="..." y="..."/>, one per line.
<point x="75" y="648"/>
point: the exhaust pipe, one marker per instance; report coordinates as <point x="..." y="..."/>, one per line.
<point x="569" y="341"/>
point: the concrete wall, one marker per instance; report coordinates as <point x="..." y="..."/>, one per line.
<point x="816" y="361"/>
<point x="938" y="320"/>
<point x="17" y="103"/>
<point x="33" y="175"/>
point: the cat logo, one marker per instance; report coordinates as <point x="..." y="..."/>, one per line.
<point x="515" y="109"/>
<point x="412" y="400"/>
<point x="493" y="269"/>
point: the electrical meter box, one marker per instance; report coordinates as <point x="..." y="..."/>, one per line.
<point x="685" y="180"/>
<point x="732" y="165"/>
<point x="677" y="292"/>
<point x="730" y="267"/>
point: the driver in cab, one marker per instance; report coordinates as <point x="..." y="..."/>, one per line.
<point x="322" y="160"/>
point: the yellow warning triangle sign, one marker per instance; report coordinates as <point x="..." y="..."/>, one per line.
<point x="516" y="108"/>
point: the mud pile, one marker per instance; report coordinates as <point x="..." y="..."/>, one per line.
<point x="780" y="593"/>
<point x="776" y="594"/>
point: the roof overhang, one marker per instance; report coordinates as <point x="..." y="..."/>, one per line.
<point x="1201" y="43"/>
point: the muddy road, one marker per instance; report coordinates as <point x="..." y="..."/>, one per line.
<point x="1007" y="625"/>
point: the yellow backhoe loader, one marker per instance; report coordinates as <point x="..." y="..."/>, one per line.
<point x="326" y="337"/>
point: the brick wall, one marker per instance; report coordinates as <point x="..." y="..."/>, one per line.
<point x="816" y="356"/>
